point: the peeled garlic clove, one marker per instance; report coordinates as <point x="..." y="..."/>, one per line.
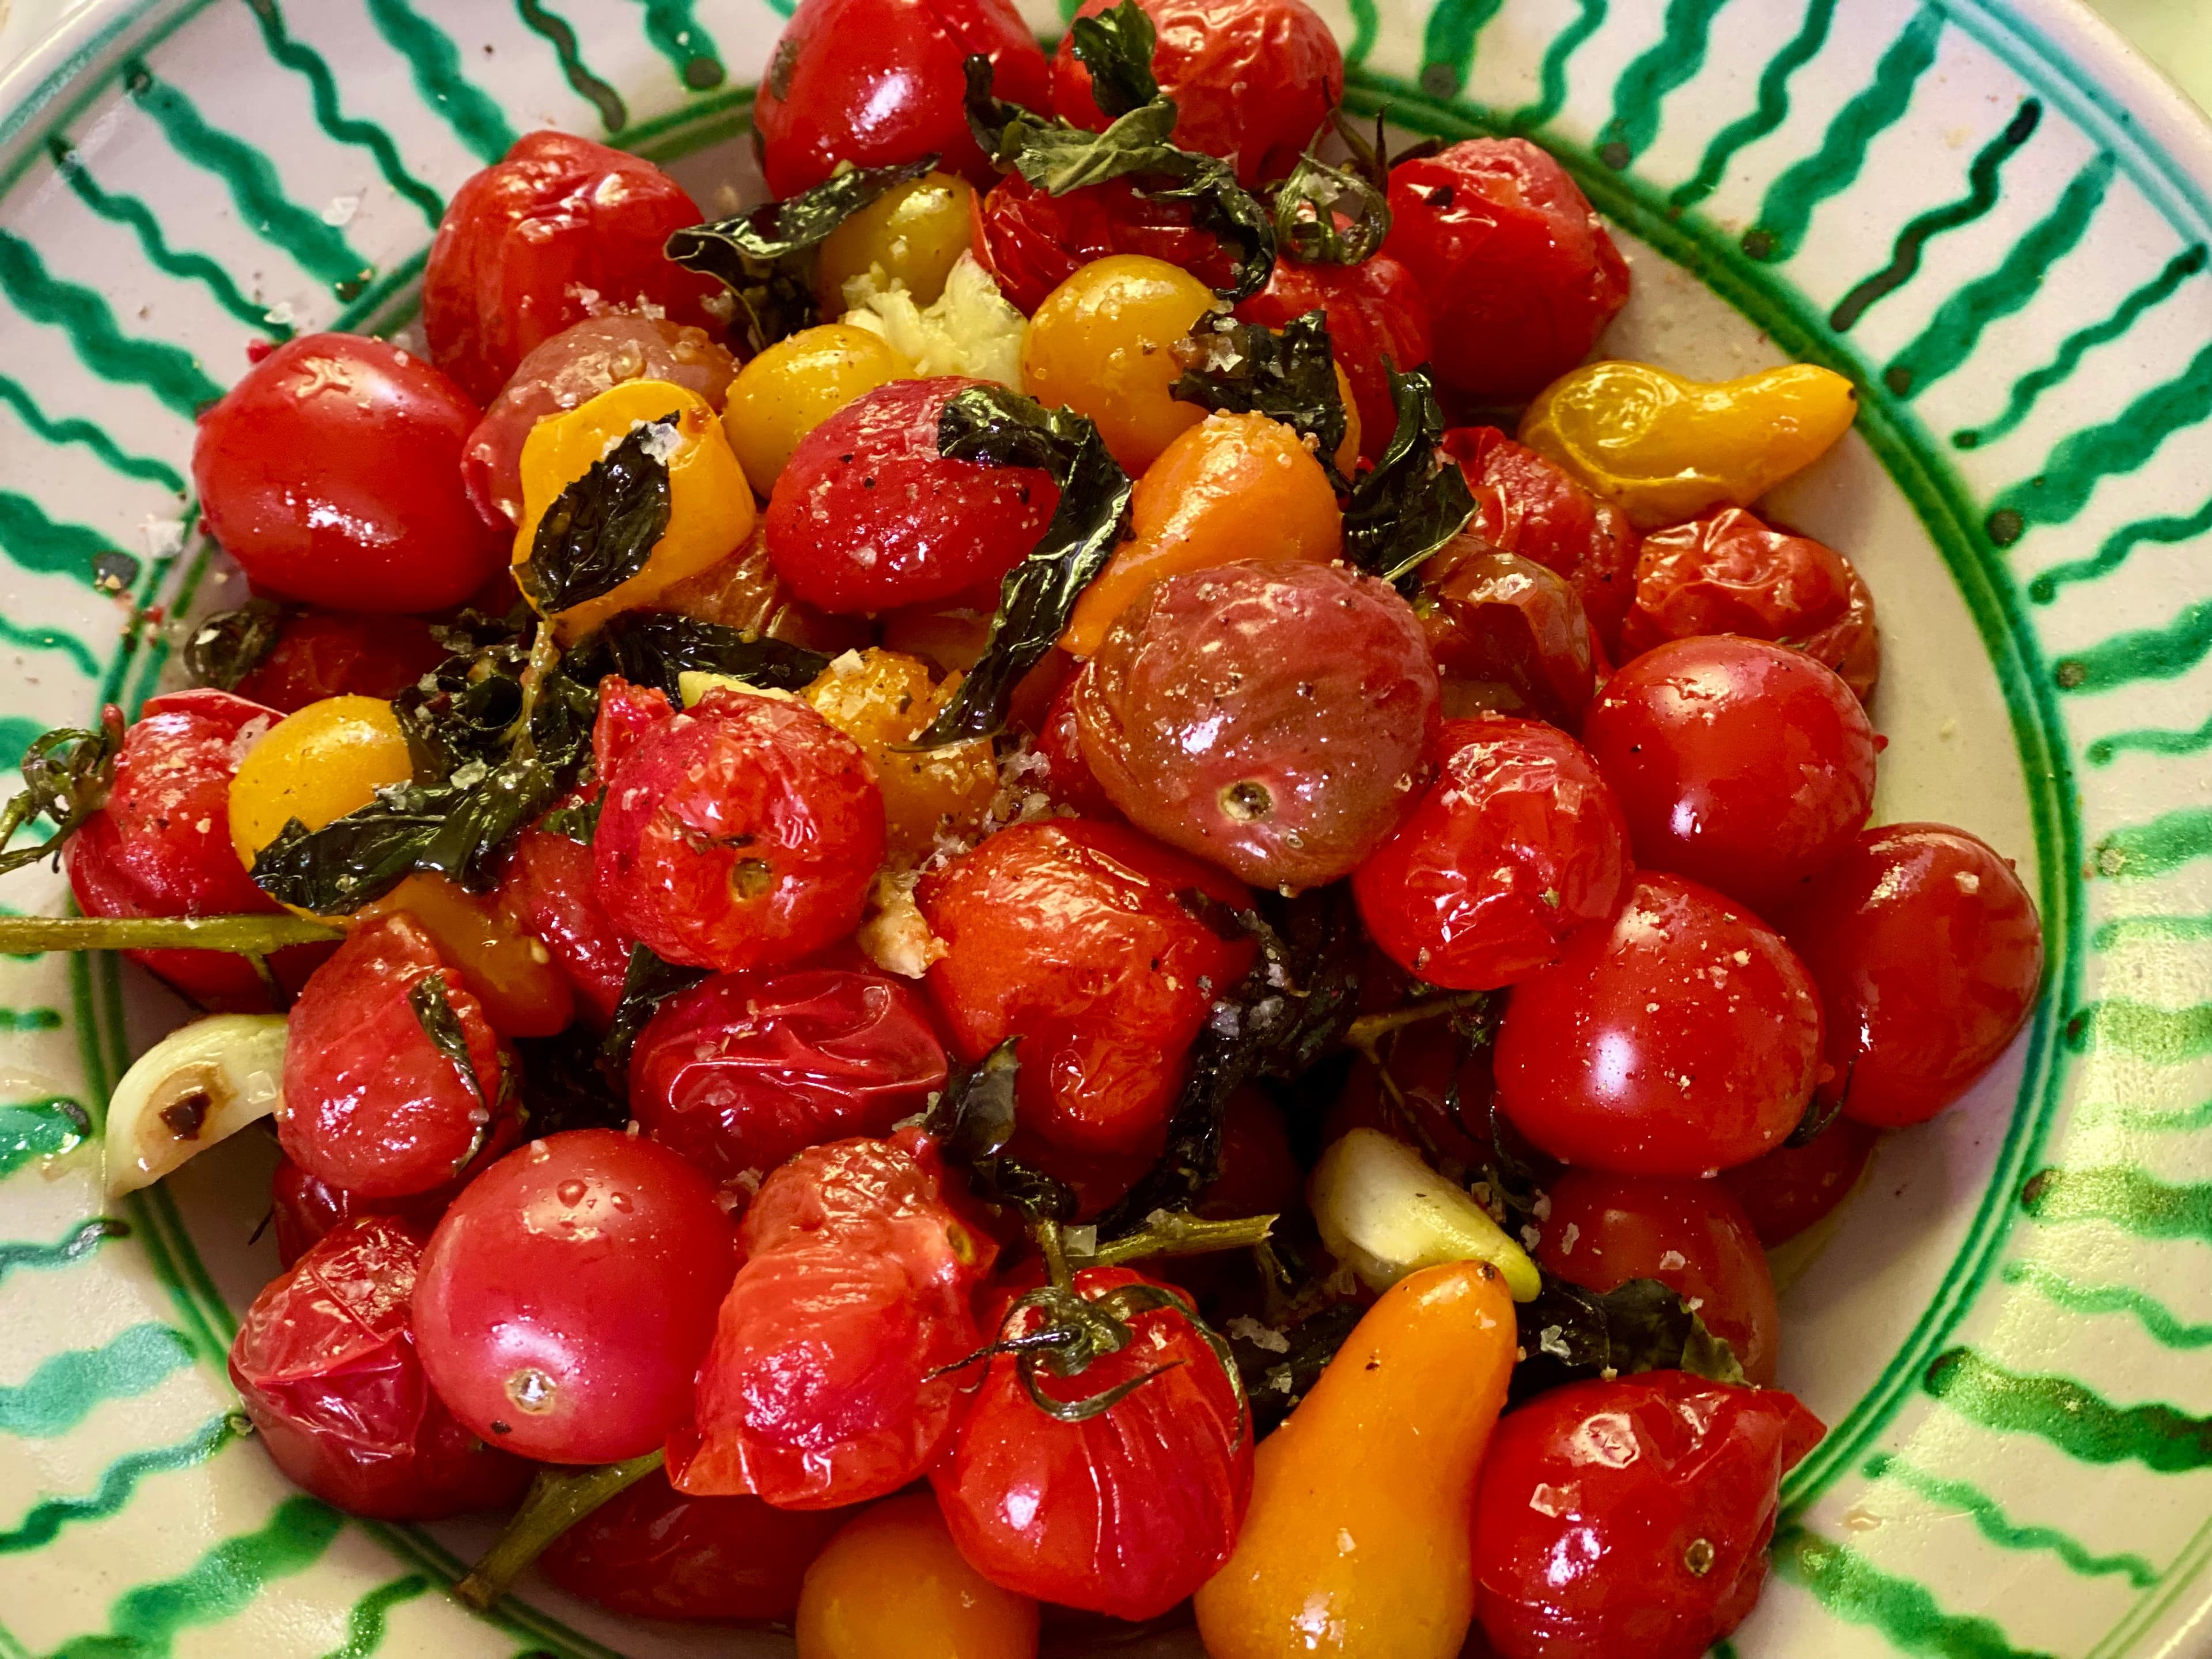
<point x="1385" y="1213"/>
<point x="197" y="1085"/>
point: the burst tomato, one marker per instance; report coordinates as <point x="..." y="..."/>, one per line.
<point x="546" y="889"/>
<point x="1509" y="635"/>
<point x="303" y="1210"/>
<point x="1377" y="319"/>
<point x="1031" y="241"/>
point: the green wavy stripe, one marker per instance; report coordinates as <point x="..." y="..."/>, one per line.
<point x="543" y="19"/>
<point x="118" y="1483"/>
<point x="1552" y="72"/>
<point x="30" y="1019"/>
<point x="2113" y="552"/>
<point x="2131" y="930"/>
<point x="2120" y="1196"/>
<point x="1992" y="1521"/>
<point x="2031" y="386"/>
<point x="1770" y="112"/>
<point x="366" y="1622"/>
<point x="2070" y="1415"/>
<point x="33" y="1129"/>
<point x="2169" y="1037"/>
<point x="50" y="639"/>
<point x="74" y="1246"/>
<point x="1449" y="41"/>
<point x="306" y="62"/>
<point x="2092" y="1300"/>
<point x="2149" y="654"/>
<point x="435" y="62"/>
<point x="62" y="1393"/>
<point x="2148" y="1120"/>
<point x="2166" y="843"/>
<point x="31" y="541"/>
<point x="85" y="433"/>
<point x="1366" y="24"/>
<point x="1779" y="230"/>
<point x="1853" y="1590"/>
<point x="677" y="35"/>
<point x="170" y="372"/>
<point x="2149" y="740"/>
<point x="1677" y="55"/>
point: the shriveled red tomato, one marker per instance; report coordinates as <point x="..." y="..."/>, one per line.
<point x="867" y="516"/>
<point x="1031" y="241"/>
<point x="1929" y="956"/>
<point x="1517" y="848"/>
<point x="1070" y="935"/>
<point x="1066" y="777"/>
<point x="1741" y="764"/>
<point x="825" y="1383"/>
<point x="331" y="473"/>
<point x="547" y="889"/>
<point x="1260" y="1174"/>
<point x="373" y="1102"/>
<point x="331" y="653"/>
<point x="1376" y="317"/>
<point x="744" y="1070"/>
<point x="741" y="832"/>
<point x="1127" y="1511"/>
<point x="1631" y="1516"/>
<point x="1520" y="274"/>
<point x="1683" y="1039"/>
<point x="1508" y="634"/>
<point x="567" y="1296"/>
<point x="1787" y="1190"/>
<point x="304" y="1210"/>
<point x="877" y="83"/>
<point x="325" y="1364"/>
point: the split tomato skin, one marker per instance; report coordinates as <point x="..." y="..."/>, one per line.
<point x="1510" y="636"/>
<point x="1031" y="241"/>
<point x="547" y="890"/>
<point x="1377" y="316"/>
<point x="333" y="654"/>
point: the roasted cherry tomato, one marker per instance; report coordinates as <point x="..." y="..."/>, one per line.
<point x="1929" y="956"/>
<point x="1684" y="1038"/>
<point x="303" y="1210"/>
<point x="331" y="653"/>
<point x="1377" y="320"/>
<point x="744" y="592"/>
<point x="1656" y="1547"/>
<point x="1031" y="241"/>
<point x="1521" y="277"/>
<point x="1789" y="1188"/>
<point x="331" y="473"/>
<point x="529" y="247"/>
<point x="912" y="235"/>
<point x="1508" y="634"/>
<point x="892" y="1583"/>
<point x="1741" y="764"/>
<point x="1065" y="776"/>
<point x="1101" y="343"/>
<point x="314" y="767"/>
<point x="325" y="1364"/>
<point x="795" y="384"/>
<point x="1517" y="846"/>
<point x="567" y="1296"/>
<point x="883" y="700"/>
<point x="546" y="889"/>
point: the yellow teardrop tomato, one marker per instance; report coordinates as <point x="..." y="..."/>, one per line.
<point x="316" y="765"/>
<point x="913" y="234"/>
<point x="890" y="1585"/>
<point x="882" y="700"/>
<point x="1100" y="345"/>
<point x="796" y="384"/>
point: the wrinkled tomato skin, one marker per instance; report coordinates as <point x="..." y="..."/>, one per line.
<point x="1692" y="1236"/>
<point x="1507" y="633"/>
<point x="1929" y="956"/>
<point x="1376" y="317"/>
<point x="547" y="889"/>
<point x="823" y="1385"/>
<point x="371" y="1105"/>
<point x="304" y="1210"/>
<point x="1067" y="778"/>
<point x="331" y="473"/>
<point x="1031" y="241"/>
<point x="159" y="845"/>
<point x="1681" y="1039"/>
<point x="529" y="245"/>
<point x="1068" y="935"/>
<point x="1253" y="81"/>
<point x="329" y="654"/>
<point x="879" y="82"/>
<point x="325" y="1364"/>
<point x="567" y="1295"/>
<point x="1126" y="1513"/>
<point x="1741" y="764"/>
<point x="1579" y="1555"/>
<point x="1791" y="1187"/>
<point x="1515" y="849"/>
<point x="653" y="1553"/>
<point x="744" y="1070"/>
<point x="741" y="832"/>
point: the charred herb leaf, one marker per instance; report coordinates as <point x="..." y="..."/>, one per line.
<point x="1289" y="376"/>
<point x="433" y="1012"/>
<point x="231" y="644"/>
<point x="562" y="1087"/>
<point x="1310" y="204"/>
<point x="580" y="823"/>
<point x="652" y="647"/>
<point x="1414" y="499"/>
<point x="1569" y="1335"/>
<point x="600" y="530"/>
<point x="647" y="983"/>
<point x="973" y="1120"/>
<point x="66" y="777"/>
<point x="1280" y="1367"/>
<point x="1116" y="47"/>
<point x="336" y="869"/>
<point x="481" y="815"/>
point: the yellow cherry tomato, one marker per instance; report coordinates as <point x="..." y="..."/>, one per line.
<point x="1100" y="343"/>
<point x="913" y="234"/>
<point x="1664" y="448"/>
<point x="882" y="700"/>
<point x="1233" y="487"/>
<point x="890" y="1585"/>
<point x="316" y="765"/>
<point x="710" y="507"/>
<point x="1356" y="1541"/>
<point x="524" y="991"/>
<point x="1347" y="452"/>
<point x="796" y="384"/>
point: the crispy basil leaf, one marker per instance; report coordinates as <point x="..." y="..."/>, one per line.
<point x="1414" y="499"/>
<point x="600" y="530"/>
<point x="1310" y="204"/>
<point x="1116" y="47"/>
<point x="647" y="983"/>
<point x="1289" y="376"/>
<point x="67" y="774"/>
<point x="336" y="869"/>
<point x="1569" y="1335"/>
<point x="580" y="823"/>
<point x="464" y="710"/>
<point x="652" y="647"/>
<point x="231" y="644"/>
<point x="989" y="423"/>
<point x="562" y="1087"/>
<point x="973" y="1118"/>
<point x="1276" y="1377"/>
<point x="479" y="818"/>
<point x="433" y="1012"/>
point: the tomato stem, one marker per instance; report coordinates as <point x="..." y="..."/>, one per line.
<point x="249" y="936"/>
<point x="558" y="1499"/>
<point x="1171" y="1232"/>
<point x="1367" y="1032"/>
<point x="1052" y="1245"/>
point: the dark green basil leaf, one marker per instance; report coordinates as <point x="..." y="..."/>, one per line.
<point x="482" y="813"/>
<point x="1116" y="47"/>
<point x="336" y="869"/>
<point x="1279" y="1369"/>
<point x="973" y="1118"/>
<point x="433" y="1012"/>
<point x="1569" y="1335"/>
<point x="580" y="823"/>
<point x="647" y="983"/>
<point x="1311" y="202"/>
<point x="1289" y="377"/>
<point x="1414" y="499"/>
<point x="231" y="644"/>
<point x="600" y="530"/>
<point x="67" y="774"/>
<point x="652" y="647"/>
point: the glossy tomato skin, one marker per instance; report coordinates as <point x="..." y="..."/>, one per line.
<point x="1682" y="1039"/>
<point x="1067" y="776"/>
<point x="304" y="1211"/>
<point x="547" y="889"/>
<point x="867" y="516"/>
<point x="331" y="473"/>
<point x="1509" y="635"/>
<point x="821" y="1388"/>
<point x="325" y="1364"/>
<point x="331" y="653"/>
<point x="1031" y="241"/>
<point x="740" y="833"/>
<point x="1691" y="1236"/>
<point x="1789" y="1190"/>
<point x="1741" y="764"/>
<point x="530" y="244"/>
<point x="1253" y="81"/>
<point x="567" y="1295"/>
<point x="1376" y="315"/>
<point x="1929" y="956"/>
<point x="1521" y="277"/>
<point x="1515" y="849"/>
<point x="1125" y="1513"/>
<point x="1068" y="935"/>
<point x="877" y="83"/>
<point x="1579" y="1555"/>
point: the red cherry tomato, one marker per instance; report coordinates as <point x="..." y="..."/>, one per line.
<point x="653" y="1553"/>
<point x="1520" y="274"/>
<point x="1069" y="935"/>
<point x="1031" y="241"/>
<point x="1516" y="847"/>
<point x="1789" y="1188"/>
<point x="824" y="1385"/>
<point x="305" y="1210"/>
<point x="1655" y="1545"/>
<point x="1253" y="81"/>
<point x="569" y="1294"/>
<point x="325" y="1364"/>
<point x="1376" y="316"/>
<point x="331" y="473"/>
<point x="1682" y="1039"/>
<point x="1066" y="777"/>
<point x="529" y="246"/>
<point x="1440" y="1095"/>
<point x="867" y="516"/>
<point x="372" y="1104"/>
<point x="741" y="832"/>
<point x="1260" y="1174"/>
<point x="1929" y="956"/>
<point x="546" y="889"/>
<point x="877" y="83"/>
<point x="329" y="654"/>
<point x="1741" y="764"/>
<point x="1509" y="636"/>
<point x="1126" y="1512"/>
<point x="1691" y="1236"/>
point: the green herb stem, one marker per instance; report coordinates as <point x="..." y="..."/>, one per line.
<point x="558" y="1499"/>
<point x="255" y="935"/>
<point x="1172" y="1232"/>
<point x="1366" y="1033"/>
